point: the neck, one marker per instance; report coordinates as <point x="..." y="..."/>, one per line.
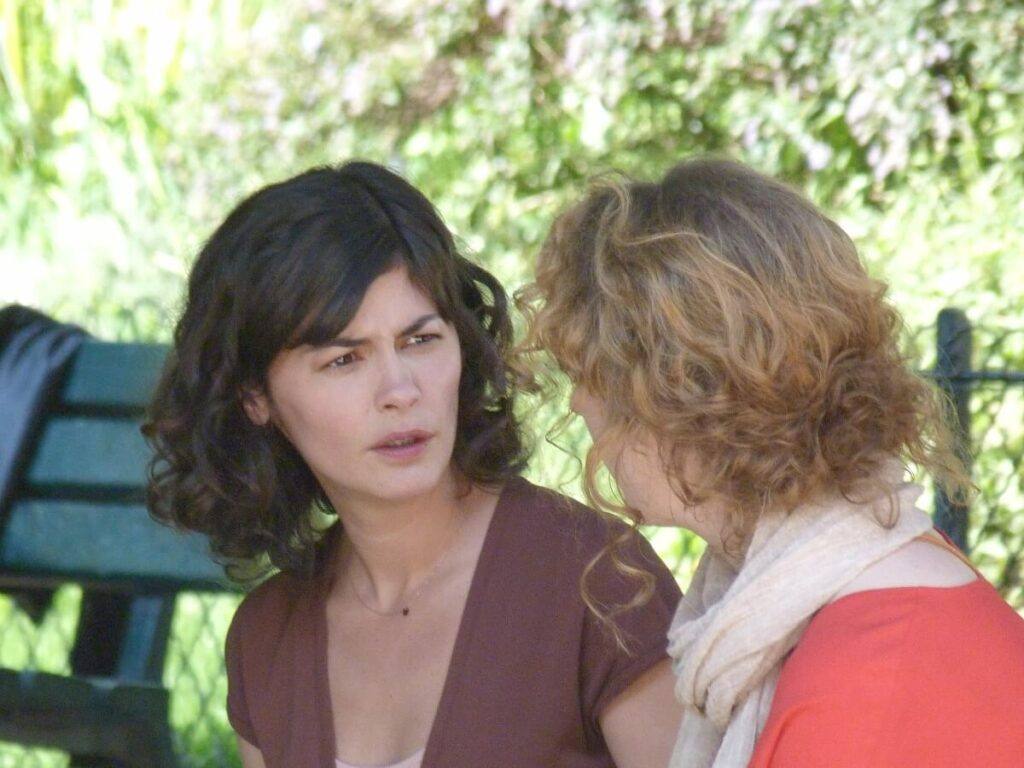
<point x="395" y="545"/>
<point x="713" y="527"/>
<point x="731" y="549"/>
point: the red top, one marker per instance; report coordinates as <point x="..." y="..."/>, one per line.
<point x="907" y="676"/>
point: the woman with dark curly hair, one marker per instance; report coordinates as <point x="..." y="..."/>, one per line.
<point x="337" y="406"/>
<point x="739" y="372"/>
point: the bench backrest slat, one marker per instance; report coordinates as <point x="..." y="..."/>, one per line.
<point x="78" y="455"/>
<point x="108" y="375"/>
<point x="90" y="542"/>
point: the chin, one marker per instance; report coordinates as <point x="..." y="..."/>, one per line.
<point x="411" y="482"/>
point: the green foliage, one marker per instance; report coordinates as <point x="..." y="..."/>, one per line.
<point x="128" y="129"/>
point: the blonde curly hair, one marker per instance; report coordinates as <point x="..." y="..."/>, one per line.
<point x="723" y="312"/>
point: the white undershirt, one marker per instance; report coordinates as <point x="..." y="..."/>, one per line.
<point x="412" y="761"/>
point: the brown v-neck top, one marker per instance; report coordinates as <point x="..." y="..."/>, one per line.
<point x="531" y="670"/>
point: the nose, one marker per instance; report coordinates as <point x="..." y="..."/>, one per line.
<point x="398" y="389"/>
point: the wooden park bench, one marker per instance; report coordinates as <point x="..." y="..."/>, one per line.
<point x="78" y="515"/>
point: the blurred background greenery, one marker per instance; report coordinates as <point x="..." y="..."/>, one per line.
<point x="128" y="128"/>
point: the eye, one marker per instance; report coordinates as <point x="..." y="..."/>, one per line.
<point x="422" y="338"/>
<point x="344" y="360"/>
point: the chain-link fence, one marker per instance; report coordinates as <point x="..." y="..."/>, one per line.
<point x="194" y="672"/>
<point x="982" y="369"/>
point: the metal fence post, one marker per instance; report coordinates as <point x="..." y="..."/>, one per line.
<point x="952" y="375"/>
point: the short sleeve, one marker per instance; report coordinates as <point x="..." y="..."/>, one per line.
<point x="237" y="708"/>
<point x="607" y="669"/>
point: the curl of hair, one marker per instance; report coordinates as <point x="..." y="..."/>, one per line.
<point x="720" y="311"/>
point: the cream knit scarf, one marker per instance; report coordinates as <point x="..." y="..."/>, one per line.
<point x="733" y="629"/>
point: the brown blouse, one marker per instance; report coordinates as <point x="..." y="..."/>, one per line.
<point x="531" y="670"/>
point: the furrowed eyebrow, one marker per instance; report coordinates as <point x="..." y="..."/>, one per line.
<point x="342" y="341"/>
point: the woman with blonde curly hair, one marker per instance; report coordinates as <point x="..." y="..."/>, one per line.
<point x="740" y="375"/>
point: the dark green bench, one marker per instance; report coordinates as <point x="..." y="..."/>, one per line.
<point x="78" y="515"/>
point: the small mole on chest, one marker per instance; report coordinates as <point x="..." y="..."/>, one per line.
<point x="405" y="611"/>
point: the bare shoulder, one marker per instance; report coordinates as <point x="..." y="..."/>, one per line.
<point x="917" y="564"/>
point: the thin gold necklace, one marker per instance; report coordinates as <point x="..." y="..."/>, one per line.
<point x="405" y="609"/>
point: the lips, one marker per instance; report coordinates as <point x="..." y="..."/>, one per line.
<point x="403" y="440"/>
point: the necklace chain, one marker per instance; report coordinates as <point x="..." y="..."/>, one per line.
<point x="405" y="609"/>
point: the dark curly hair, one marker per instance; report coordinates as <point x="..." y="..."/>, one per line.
<point x="290" y="266"/>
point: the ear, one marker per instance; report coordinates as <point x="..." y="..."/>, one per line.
<point x="256" y="407"/>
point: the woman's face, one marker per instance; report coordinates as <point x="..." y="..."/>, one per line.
<point x="374" y="411"/>
<point x="636" y="466"/>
